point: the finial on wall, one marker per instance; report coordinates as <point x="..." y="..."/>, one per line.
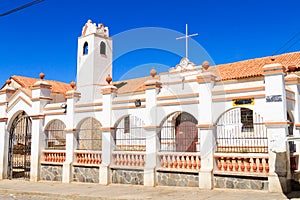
<point x="42" y="75"/>
<point x="108" y="79"/>
<point x="292" y="68"/>
<point x="205" y="65"/>
<point x="272" y="58"/>
<point x="73" y="84"/>
<point x="153" y="72"/>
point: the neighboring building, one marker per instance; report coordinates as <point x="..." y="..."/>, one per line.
<point x="231" y="125"/>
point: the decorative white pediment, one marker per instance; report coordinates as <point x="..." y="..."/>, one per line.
<point x="20" y="100"/>
<point x="184" y="64"/>
<point x="92" y="28"/>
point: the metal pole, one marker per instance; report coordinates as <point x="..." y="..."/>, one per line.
<point x="186" y="41"/>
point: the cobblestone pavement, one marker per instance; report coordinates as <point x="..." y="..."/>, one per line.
<point x="24" y="190"/>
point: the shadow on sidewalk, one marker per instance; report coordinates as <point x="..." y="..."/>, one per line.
<point x="295" y="193"/>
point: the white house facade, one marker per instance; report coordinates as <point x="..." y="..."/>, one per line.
<point x="227" y="126"/>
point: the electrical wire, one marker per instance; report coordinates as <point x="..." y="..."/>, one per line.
<point x="291" y="45"/>
<point x="290" y="40"/>
<point x="21" y="7"/>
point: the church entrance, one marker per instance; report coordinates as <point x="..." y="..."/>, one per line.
<point x="186" y="133"/>
<point x="179" y="133"/>
<point x="19" y="147"/>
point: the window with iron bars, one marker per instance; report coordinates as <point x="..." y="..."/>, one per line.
<point x="240" y="130"/>
<point x="130" y="135"/>
<point x="89" y="135"/>
<point x="55" y="135"/>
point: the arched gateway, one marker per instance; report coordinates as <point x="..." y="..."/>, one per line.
<point x="19" y="149"/>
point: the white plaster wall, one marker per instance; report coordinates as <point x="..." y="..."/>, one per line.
<point x="20" y="106"/>
<point x="119" y="114"/>
<point x="81" y="116"/>
<point x="220" y="107"/>
<point x="49" y="118"/>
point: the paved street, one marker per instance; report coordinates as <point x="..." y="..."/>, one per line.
<point x="24" y="190"/>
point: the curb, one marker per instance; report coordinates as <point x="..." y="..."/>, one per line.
<point x="48" y="195"/>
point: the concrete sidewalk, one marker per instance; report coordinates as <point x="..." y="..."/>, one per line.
<point x="18" y="189"/>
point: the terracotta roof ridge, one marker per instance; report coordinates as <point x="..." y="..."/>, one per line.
<point x="57" y="81"/>
<point x="18" y="76"/>
<point x="138" y="78"/>
<point x="15" y="78"/>
<point x="259" y="58"/>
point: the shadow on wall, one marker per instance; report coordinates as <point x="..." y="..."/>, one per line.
<point x="281" y="170"/>
<point x="291" y="188"/>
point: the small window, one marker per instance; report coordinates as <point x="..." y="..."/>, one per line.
<point x="291" y="125"/>
<point x="102" y="48"/>
<point x="247" y="120"/>
<point x="85" y="48"/>
<point x="127" y="125"/>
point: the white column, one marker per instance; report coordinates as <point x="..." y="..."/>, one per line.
<point x="275" y="118"/>
<point x="71" y="143"/>
<point x="205" y="129"/>
<point x="292" y="81"/>
<point x="151" y="128"/>
<point x="70" y="147"/>
<point x="36" y="147"/>
<point x="3" y="148"/>
<point x="108" y="143"/>
<point x="40" y="98"/>
<point x="5" y="93"/>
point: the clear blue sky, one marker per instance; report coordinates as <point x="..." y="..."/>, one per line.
<point x="44" y="37"/>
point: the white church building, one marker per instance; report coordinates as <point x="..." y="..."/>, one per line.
<point x="233" y="125"/>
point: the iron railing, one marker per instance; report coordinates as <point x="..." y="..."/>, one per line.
<point x="55" y="135"/>
<point x="130" y="135"/>
<point x="240" y="130"/>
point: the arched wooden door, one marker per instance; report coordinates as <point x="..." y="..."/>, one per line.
<point x="19" y="147"/>
<point x="186" y="133"/>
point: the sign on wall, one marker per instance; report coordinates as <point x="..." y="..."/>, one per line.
<point x="274" y="98"/>
<point x="241" y="102"/>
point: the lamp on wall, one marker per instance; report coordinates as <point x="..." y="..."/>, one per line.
<point x="137" y="103"/>
<point x="64" y="106"/>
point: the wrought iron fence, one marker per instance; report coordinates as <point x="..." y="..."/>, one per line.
<point x="89" y="135"/>
<point x="55" y="135"/>
<point x="179" y="133"/>
<point x="130" y="135"/>
<point x="19" y="147"/>
<point x="241" y="130"/>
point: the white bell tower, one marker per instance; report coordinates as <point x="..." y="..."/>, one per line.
<point x="94" y="60"/>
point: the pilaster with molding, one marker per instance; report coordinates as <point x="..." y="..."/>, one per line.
<point x="275" y="119"/>
<point x="151" y="128"/>
<point x="41" y="91"/>
<point x="206" y="129"/>
<point x="108" y="143"/>
<point x="5" y="94"/>
<point x="72" y="97"/>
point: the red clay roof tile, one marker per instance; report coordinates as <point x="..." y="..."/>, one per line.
<point x="57" y="87"/>
<point x="236" y="70"/>
<point x="253" y="67"/>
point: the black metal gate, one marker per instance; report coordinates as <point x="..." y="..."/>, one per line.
<point x="240" y="130"/>
<point x="19" y="147"/>
<point x="130" y="135"/>
<point x="179" y="133"/>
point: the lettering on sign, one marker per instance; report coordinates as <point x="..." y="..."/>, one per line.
<point x="239" y="102"/>
<point x="274" y="98"/>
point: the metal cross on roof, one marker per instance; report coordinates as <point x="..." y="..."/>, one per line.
<point x="186" y="39"/>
